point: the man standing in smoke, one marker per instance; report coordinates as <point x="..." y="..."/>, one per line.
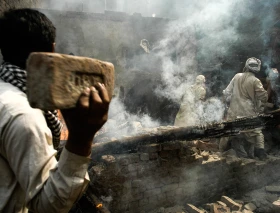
<point x="191" y="106"/>
<point x="247" y="97"/>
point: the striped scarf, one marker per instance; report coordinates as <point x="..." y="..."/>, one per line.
<point x="17" y="77"/>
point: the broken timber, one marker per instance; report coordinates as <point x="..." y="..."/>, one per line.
<point x="215" y="130"/>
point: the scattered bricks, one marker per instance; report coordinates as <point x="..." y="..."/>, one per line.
<point x="247" y="211"/>
<point x="170" y="187"/>
<point x="208" y="206"/>
<point x="153" y="155"/>
<point x="221" y="203"/>
<point x="215" y="208"/>
<point x="55" y="81"/>
<point x="171" y="146"/>
<point x="276" y="206"/>
<point x="153" y="192"/>
<point x="205" y="155"/>
<point x="273" y="189"/>
<point x="149" y="148"/>
<point x="271" y="197"/>
<point x="192" y="209"/>
<point x="97" y="170"/>
<point x="144" y="157"/>
<point x="231" y="204"/>
<point x="108" y="159"/>
<point x="207" y="146"/>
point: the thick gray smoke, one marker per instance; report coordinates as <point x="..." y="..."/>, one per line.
<point x="201" y="36"/>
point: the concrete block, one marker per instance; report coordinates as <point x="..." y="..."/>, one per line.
<point x="55" y="81"/>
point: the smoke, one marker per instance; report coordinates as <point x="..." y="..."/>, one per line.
<point x="201" y="37"/>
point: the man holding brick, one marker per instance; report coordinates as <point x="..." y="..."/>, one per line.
<point x="31" y="178"/>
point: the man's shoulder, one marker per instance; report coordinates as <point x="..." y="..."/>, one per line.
<point x="13" y="101"/>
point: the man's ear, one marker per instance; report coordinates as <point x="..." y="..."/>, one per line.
<point x="53" y="47"/>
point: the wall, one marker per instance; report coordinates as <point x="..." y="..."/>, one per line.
<point x="174" y="174"/>
<point x="6" y="4"/>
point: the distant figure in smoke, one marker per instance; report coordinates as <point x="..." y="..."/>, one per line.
<point x="191" y="107"/>
<point x="247" y="97"/>
<point x="273" y="88"/>
<point x="145" y="45"/>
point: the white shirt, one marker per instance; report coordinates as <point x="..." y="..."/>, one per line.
<point x="30" y="175"/>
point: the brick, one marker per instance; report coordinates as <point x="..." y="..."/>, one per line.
<point x="171" y="146"/>
<point x="170" y="187"/>
<point x="247" y="211"/>
<point x="192" y="209"/>
<point x="231" y="204"/>
<point x="153" y="155"/>
<point x="149" y="148"/>
<point x="134" y="204"/>
<point x="108" y="159"/>
<point x="132" y="167"/>
<point x="143" y="202"/>
<point x="215" y="208"/>
<point x="153" y="192"/>
<point x="273" y="189"/>
<point x="55" y="81"/>
<point x="179" y="191"/>
<point x="144" y="157"/>
<point x="136" y="183"/>
<point x="126" y="159"/>
<point x="221" y="203"/>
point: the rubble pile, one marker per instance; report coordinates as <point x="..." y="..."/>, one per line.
<point x="264" y="200"/>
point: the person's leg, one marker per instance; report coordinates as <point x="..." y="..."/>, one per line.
<point x="238" y="146"/>
<point x="256" y="137"/>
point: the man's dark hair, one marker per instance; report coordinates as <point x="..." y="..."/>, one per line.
<point x="24" y="31"/>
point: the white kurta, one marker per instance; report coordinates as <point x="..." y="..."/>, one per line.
<point x="191" y="108"/>
<point x="30" y="175"/>
<point x="247" y="98"/>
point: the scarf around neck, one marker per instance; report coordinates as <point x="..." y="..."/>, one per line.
<point x="17" y="77"/>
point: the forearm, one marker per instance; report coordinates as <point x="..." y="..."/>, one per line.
<point x="64" y="185"/>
